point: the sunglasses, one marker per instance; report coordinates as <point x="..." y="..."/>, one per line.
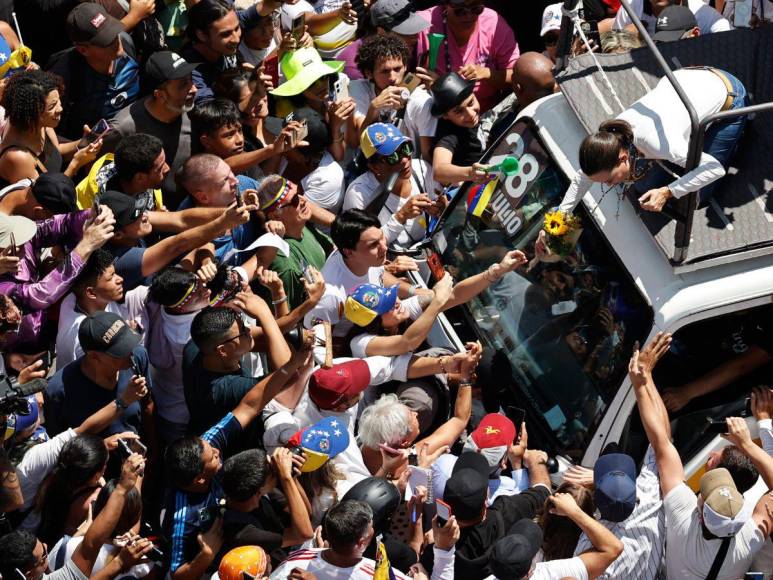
<point x="142" y="204"/>
<point x="405" y="150"/>
<point x="475" y="10"/>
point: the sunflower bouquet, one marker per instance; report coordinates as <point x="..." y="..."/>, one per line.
<point x="562" y="232"/>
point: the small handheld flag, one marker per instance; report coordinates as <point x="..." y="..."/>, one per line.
<point x="479" y="196"/>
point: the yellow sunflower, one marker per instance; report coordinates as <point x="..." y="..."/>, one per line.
<point x="555" y="223"/>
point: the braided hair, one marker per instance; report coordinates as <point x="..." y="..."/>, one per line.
<point x="24" y="98"/>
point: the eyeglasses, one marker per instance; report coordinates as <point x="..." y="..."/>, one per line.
<point x="8" y="327"/>
<point x="243" y="331"/>
<point x="475" y="10"/>
<point x="405" y="150"/>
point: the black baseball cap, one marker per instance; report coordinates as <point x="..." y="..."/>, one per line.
<point x="55" y="192"/>
<point x="90" y="23"/>
<point x="126" y="209"/>
<point x="512" y="555"/>
<point x="673" y="22"/>
<point x="467" y="488"/>
<point x="108" y="333"/>
<point x="166" y="65"/>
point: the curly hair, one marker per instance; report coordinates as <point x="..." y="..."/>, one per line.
<point x="25" y="96"/>
<point x="379" y="47"/>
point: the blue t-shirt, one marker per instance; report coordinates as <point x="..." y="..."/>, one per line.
<point x="71" y="398"/>
<point x="91" y="95"/>
<point x="181" y="518"/>
<point x="128" y="265"/>
<point x="239" y="237"/>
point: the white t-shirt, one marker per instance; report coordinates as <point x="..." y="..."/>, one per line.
<point x="661" y="130"/>
<point x="419" y="121"/>
<point x="363" y="190"/>
<point x="359" y="343"/>
<point x="694" y="556"/>
<point x="709" y="20"/>
<point x="38" y="463"/>
<point x="339" y="281"/>
<point x="325" y="185"/>
<point x="106" y="553"/>
<point x="167" y="383"/>
<point x="763" y="561"/>
<point x="642" y="533"/>
<point x="68" y="347"/>
<point x="312" y="561"/>
<point x="333" y="41"/>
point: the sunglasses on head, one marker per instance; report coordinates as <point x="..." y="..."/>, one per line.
<point x="475" y="10"/>
<point x="405" y="150"/>
<point x="294" y="202"/>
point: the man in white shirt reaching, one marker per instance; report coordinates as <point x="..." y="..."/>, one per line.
<point x="701" y="525"/>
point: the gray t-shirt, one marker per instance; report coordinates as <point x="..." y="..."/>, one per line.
<point x="176" y="137"/>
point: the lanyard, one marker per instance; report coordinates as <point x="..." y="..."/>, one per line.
<point x="445" y="45"/>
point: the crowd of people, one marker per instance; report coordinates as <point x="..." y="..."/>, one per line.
<point x="214" y="360"/>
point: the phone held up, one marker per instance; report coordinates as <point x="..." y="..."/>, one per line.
<point x="444" y="512"/>
<point x="97" y="131"/>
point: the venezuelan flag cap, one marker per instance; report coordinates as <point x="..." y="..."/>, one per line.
<point x="321" y="442"/>
<point x="368" y="301"/>
<point x="381" y="139"/>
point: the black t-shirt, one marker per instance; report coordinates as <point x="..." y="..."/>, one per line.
<point x="464" y="143"/>
<point x="208" y="394"/>
<point x="475" y="542"/>
<point x="262" y="527"/>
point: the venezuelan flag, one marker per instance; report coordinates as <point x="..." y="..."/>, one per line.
<point x="383" y="568"/>
<point x="479" y="196"/>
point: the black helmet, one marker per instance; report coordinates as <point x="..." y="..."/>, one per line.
<point x="382" y="497"/>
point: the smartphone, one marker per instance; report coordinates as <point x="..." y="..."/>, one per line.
<point x="238" y="196"/>
<point x="717" y="426"/>
<point x="424" y="60"/>
<point x="563" y="307"/>
<point x="307" y="275"/>
<point x="96" y="132"/>
<point x="359" y="7"/>
<point x="302" y="132"/>
<point x="517" y="416"/>
<point x="591" y="30"/>
<point x="208" y="515"/>
<point x="390" y="450"/>
<point x="331" y="88"/>
<point x="341" y="89"/>
<point x="298" y="27"/>
<point x="410" y="82"/>
<point x="435" y="266"/>
<point x="271" y="68"/>
<point x="742" y="15"/>
<point x="747" y="408"/>
<point x="96" y="207"/>
<point x="128" y="446"/>
<point x="46" y="358"/>
<point x="136" y="370"/>
<point x="291" y="138"/>
<point x="444" y="511"/>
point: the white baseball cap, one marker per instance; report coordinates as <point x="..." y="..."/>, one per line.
<point x="551" y="19"/>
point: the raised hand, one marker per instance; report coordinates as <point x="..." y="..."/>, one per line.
<point x="443" y="290"/>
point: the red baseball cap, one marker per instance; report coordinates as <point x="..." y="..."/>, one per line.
<point x="494" y="430"/>
<point x="329" y="387"/>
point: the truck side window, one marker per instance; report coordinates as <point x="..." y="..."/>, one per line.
<point x="566" y="327"/>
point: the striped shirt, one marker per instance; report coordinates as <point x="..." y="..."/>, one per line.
<point x="643" y="533"/>
<point x="181" y="519"/>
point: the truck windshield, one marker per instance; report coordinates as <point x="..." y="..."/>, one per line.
<point x="566" y="327"/>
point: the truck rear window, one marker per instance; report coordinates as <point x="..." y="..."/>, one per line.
<point x="567" y="328"/>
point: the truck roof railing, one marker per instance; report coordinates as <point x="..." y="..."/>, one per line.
<point x="684" y="208"/>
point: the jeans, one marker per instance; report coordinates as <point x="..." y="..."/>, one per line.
<point x="720" y="141"/>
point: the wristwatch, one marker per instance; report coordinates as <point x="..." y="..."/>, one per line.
<point x="120" y="404"/>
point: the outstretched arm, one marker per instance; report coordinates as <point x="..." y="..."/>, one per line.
<point x="652" y="411"/>
<point x="608" y="546"/>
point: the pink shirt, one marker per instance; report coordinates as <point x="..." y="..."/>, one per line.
<point x="492" y="44"/>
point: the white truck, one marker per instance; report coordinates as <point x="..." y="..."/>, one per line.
<point x="559" y="336"/>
